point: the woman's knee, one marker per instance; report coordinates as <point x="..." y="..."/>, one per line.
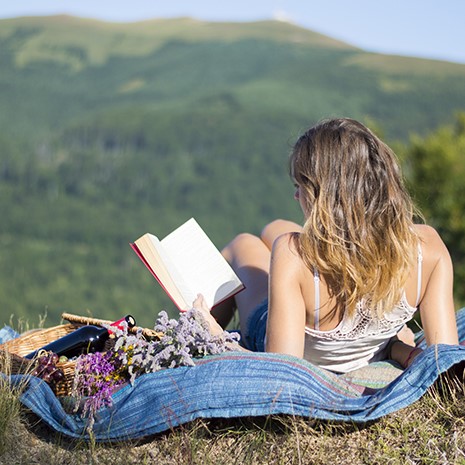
<point x="276" y="228"/>
<point x="272" y="227"/>
<point x="244" y="240"/>
<point x="240" y="245"/>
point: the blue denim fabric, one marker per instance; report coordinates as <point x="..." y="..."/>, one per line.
<point x="254" y="337"/>
<point x="238" y="384"/>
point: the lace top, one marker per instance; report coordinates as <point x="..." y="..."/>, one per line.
<point x="357" y="339"/>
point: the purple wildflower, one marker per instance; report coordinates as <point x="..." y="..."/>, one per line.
<point x="183" y="340"/>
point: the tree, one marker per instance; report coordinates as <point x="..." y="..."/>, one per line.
<point x="435" y="167"/>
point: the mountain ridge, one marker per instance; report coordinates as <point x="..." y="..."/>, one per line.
<point x="48" y="60"/>
<point x="282" y="30"/>
<point x="162" y="30"/>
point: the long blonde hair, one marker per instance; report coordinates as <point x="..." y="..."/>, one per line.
<point x="359" y="231"/>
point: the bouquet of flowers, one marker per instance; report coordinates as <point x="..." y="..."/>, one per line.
<point x="98" y="374"/>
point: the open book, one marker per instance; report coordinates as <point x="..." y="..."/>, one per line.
<point x="186" y="263"/>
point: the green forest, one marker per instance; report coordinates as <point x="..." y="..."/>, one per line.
<point x="109" y="131"/>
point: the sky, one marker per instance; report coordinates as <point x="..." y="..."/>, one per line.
<point x="422" y="28"/>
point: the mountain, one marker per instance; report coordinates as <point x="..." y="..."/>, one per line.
<point x="111" y="130"/>
<point x="57" y="69"/>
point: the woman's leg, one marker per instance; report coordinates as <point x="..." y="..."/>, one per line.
<point x="249" y="256"/>
<point x="250" y="259"/>
<point x="224" y="312"/>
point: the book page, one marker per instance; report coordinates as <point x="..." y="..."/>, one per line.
<point x="201" y="264"/>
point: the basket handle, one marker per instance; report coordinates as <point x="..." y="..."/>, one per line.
<point x="150" y="333"/>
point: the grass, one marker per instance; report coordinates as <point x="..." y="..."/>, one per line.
<point x="9" y="414"/>
<point x="431" y="431"/>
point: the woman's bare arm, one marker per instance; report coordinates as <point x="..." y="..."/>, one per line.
<point x="285" y="332"/>
<point x="437" y="304"/>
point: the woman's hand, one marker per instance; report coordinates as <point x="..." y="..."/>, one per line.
<point x="403" y="353"/>
<point x="201" y="305"/>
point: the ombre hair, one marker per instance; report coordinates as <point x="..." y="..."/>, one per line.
<point x="359" y="231"/>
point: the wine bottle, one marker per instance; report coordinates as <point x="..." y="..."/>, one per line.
<point x="89" y="338"/>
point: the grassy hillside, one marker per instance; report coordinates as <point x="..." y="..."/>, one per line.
<point x="59" y="68"/>
<point x="98" y="40"/>
<point x="113" y="130"/>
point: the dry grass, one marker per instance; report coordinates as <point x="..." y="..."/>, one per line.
<point x="10" y="409"/>
<point x="432" y="431"/>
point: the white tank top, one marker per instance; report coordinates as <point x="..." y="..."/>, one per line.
<point x="359" y="339"/>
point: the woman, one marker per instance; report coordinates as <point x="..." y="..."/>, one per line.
<point x="338" y="291"/>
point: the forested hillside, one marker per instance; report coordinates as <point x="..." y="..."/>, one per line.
<point x="112" y="130"/>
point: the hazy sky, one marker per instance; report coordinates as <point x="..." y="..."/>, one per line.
<point x="423" y="28"/>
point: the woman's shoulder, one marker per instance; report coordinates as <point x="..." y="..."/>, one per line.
<point x="426" y="231"/>
<point x="286" y="249"/>
<point x="431" y="243"/>
<point x="428" y="235"/>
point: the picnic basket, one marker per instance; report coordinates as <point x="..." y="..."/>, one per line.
<point x="13" y="352"/>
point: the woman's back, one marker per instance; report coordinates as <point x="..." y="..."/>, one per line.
<point x="360" y="337"/>
<point x="342" y="342"/>
<point x="330" y="315"/>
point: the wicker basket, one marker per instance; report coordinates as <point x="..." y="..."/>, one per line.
<point x="13" y="352"/>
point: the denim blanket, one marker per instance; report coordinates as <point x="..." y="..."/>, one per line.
<point x="238" y="384"/>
